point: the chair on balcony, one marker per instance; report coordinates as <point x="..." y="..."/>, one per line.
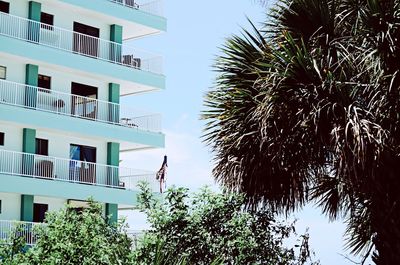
<point x="44" y="169"/>
<point x="87" y="174"/>
<point x="92" y="114"/>
<point x="131" y="3"/>
<point x="132" y="61"/>
<point x="128" y="122"/>
<point x="121" y="185"/>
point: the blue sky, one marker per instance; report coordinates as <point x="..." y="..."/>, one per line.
<point x="196" y="30"/>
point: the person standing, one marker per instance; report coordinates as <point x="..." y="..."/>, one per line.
<point x="162" y="173"/>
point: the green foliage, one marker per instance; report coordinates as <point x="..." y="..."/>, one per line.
<point x="12" y="249"/>
<point x="72" y="237"/>
<point x="306" y="109"/>
<point x="212" y="227"/>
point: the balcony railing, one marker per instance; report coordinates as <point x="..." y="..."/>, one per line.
<point x="77" y="106"/>
<point x="19" y="229"/>
<point x="77" y="43"/>
<point x="75" y="171"/>
<point x="26" y="230"/>
<point x="152" y="7"/>
<point x="134" y="235"/>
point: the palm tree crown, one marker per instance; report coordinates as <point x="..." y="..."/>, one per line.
<point x="308" y="109"/>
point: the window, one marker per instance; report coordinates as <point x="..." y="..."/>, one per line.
<point x="47" y="20"/>
<point x="1" y="138"/>
<point x="3" y="71"/>
<point x="42" y="147"/>
<point x="44" y="82"/>
<point x="83" y="153"/>
<point x="39" y="212"/>
<point x="4" y="7"/>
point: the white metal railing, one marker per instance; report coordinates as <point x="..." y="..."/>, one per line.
<point x="134" y="235"/>
<point x="74" y="42"/>
<point x="19" y="229"/>
<point x="152" y="7"/>
<point x="68" y="170"/>
<point x="77" y="106"/>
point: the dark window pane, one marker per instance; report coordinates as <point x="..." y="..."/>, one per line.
<point x="1" y="138"/>
<point x="42" y="147"/>
<point x="83" y="153"/>
<point x="47" y="19"/>
<point x="39" y="212"/>
<point x="4" y="7"/>
<point x="86" y="105"/>
<point x="44" y="81"/>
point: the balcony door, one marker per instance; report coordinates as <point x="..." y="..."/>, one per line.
<point x="39" y="212"/>
<point x="82" y="168"/>
<point x="84" y="100"/>
<point x="86" y="39"/>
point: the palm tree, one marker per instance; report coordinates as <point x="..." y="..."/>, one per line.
<point x="307" y="109"/>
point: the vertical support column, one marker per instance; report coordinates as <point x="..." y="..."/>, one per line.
<point x="31" y="79"/>
<point x="35" y="10"/>
<point x="113" y="160"/>
<point x="113" y="96"/>
<point x="112" y="213"/>
<point x="27" y="208"/>
<point x="116" y="48"/>
<point x="29" y="147"/>
<point x="29" y="141"/>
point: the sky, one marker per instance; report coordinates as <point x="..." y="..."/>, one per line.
<point x="196" y="31"/>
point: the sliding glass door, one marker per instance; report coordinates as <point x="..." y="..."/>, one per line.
<point x="82" y="167"/>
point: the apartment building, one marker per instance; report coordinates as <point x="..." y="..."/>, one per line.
<point x="64" y="65"/>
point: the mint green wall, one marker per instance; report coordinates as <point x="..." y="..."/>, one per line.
<point x="66" y="190"/>
<point x="31" y="74"/>
<point x="35" y="10"/>
<point x="28" y="146"/>
<point x="29" y="141"/>
<point x="116" y="36"/>
<point x="34" y="13"/>
<point x="31" y="78"/>
<point x="27" y="208"/>
<point x="81" y="63"/>
<point x="33" y="118"/>
<point x="116" y="33"/>
<point x="119" y="11"/>
<point x="113" y="96"/>
<point x="113" y="154"/>
<point x="113" y="160"/>
<point x="112" y="213"/>
<point x="113" y="93"/>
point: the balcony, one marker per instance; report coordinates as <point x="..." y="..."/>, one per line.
<point x="134" y="235"/>
<point x="151" y="7"/>
<point x="19" y="229"/>
<point x="26" y="230"/>
<point x="77" y="106"/>
<point x="77" y="43"/>
<point x="73" y="171"/>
